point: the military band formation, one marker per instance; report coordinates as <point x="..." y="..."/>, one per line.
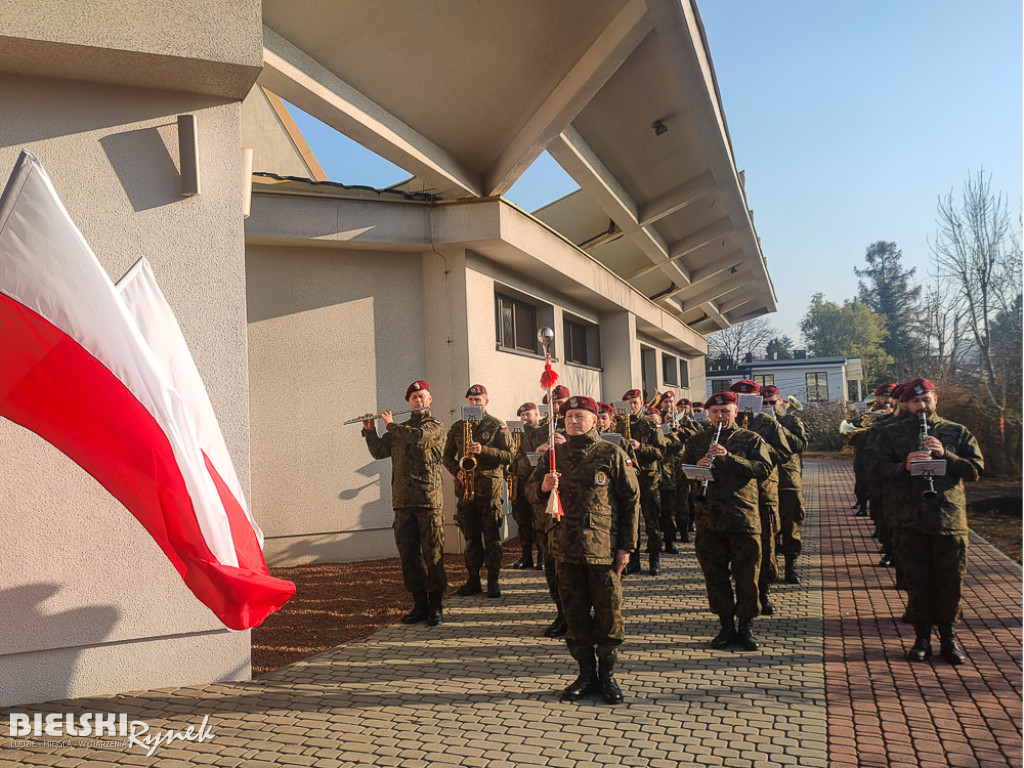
<point x="729" y="479"/>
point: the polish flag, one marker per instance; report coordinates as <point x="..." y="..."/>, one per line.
<point x="104" y="374"/>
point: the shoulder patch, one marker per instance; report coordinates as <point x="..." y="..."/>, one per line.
<point x="600" y="478"/>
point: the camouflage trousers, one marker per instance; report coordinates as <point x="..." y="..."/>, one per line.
<point x="480" y="523"/>
<point x="522" y="513"/>
<point x="668" y="514"/>
<point x="769" y="571"/>
<point x="650" y="508"/>
<point x="739" y="555"/>
<point x="541" y="524"/>
<point x="684" y="506"/>
<point x="933" y="570"/>
<point x="592" y="605"/>
<point x="419" y="536"/>
<point x="791" y="514"/>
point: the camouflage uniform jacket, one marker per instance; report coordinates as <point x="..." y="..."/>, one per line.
<point x="790" y="470"/>
<point x="668" y="464"/>
<point x="653" y="445"/>
<point x="600" y="498"/>
<point x="415" y="451"/>
<point x="778" y="449"/>
<point x="532" y="438"/>
<point x="946" y="513"/>
<point x="495" y="453"/>
<point x="732" y="502"/>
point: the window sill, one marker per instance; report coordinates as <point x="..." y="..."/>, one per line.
<point x="597" y="368"/>
<point x="522" y="353"/>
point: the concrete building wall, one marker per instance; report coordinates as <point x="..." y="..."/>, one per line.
<point x="333" y="334"/>
<point x="88" y="603"/>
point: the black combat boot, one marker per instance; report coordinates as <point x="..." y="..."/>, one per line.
<point x="633" y="566"/>
<point x="558" y="627"/>
<point x="538" y="564"/>
<point x="526" y="561"/>
<point x="791" y="574"/>
<point x="585" y="683"/>
<point x="670" y="548"/>
<point x="922" y="648"/>
<point x="610" y="690"/>
<point x="949" y="647"/>
<point x="745" y="636"/>
<point x="419" y="608"/>
<point x="435" y="613"/>
<point x="654" y="560"/>
<point x="727" y="634"/>
<point x="767" y="606"/>
<point x="493" y="590"/>
<point x="472" y="585"/>
<point x="684" y="534"/>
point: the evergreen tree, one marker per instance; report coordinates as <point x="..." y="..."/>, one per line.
<point x="887" y="290"/>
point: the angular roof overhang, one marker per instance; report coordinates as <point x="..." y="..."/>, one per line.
<point x="466" y="95"/>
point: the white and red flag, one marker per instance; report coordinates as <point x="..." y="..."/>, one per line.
<point x="104" y="374"/>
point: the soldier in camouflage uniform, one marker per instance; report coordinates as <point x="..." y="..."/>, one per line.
<point x="417" y="495"/>
<point x="648" y="446"/>
<point x="768" y="501"/>
<point x="605" y="417"/>
<point x="876" y="502"/>
<point x="728" y="521"/>
<point x="479" y="518"/>
<point x="931" y="532"/>
<point x="531" y="442"/>
<point x="668" y="487"/>
<point x="591" y="543"/>
<point x="686" y="427"/>
<point x="522" y="510"/>
<point x="791" y="499"/>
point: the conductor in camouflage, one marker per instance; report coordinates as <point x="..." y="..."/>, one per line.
<point x="417" y="497"/>
<point x="591" y="544"/>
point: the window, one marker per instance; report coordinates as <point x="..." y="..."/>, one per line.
<point x="853" y="389"/>
<point x="684" y="374"/>
<point x="516" y="324"/>
<point x="669" y="370"/>
<point x="720" y="385"/>
<point x="766" y="380"/>
<point x="817" y="387"/>
<point x="582" y="341"/>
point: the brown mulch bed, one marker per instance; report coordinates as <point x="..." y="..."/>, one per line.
<point x="338" y="602"/>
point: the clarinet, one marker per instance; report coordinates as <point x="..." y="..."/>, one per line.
<point x="704" y="487"/>
<point x="930" y="492"/>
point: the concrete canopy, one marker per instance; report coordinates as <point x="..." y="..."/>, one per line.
<point x="466" y="95"/>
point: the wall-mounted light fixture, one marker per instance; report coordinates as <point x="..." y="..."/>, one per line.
<point x="188" y="155"/>
<point x="659" y="127"/>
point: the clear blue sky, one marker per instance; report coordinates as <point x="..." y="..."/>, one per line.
<point x="850" y="119"/>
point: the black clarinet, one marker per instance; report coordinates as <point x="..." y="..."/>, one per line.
<point x="930" y="492"/>
<point x="704" y="488"/>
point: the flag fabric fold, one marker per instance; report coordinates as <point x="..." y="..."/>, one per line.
<point x="104" y="374"/>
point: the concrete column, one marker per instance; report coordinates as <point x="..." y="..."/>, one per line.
<point x="620" y="354"/>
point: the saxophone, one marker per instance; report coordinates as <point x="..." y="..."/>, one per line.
<point x="468" y="463"/>
<point x="510" y="475"/>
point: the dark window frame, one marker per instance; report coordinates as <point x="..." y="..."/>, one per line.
<point x="817" y="389"/>
<point x="522" y="314"/>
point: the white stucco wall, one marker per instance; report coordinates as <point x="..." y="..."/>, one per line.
<point x="88" y="603"/>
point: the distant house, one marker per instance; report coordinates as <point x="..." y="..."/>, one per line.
<point x="811" y="379"/>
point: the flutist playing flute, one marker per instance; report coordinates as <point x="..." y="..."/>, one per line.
<point x="728" y="521"/>
<point x="930" y="529"/>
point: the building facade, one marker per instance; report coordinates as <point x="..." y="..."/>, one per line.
<point x="810" y="379"/>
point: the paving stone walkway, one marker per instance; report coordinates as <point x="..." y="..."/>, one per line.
<point x="482" y="689"/>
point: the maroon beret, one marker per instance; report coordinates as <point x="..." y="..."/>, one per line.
<point x="580" y="403"/>
<point x="897" y="390"/>
<point x="745" y="387"/>
<point x="668" y="395"/>
<point x="769" y="390"/>
<point x="605" y="408"/>
<point x="630" y="394"/>
<point x="526" y="407"/>
<point x="654" y="410"/>
<point x="417" y="386"/>
<point x="477" y="390"/>
<point x="721" y="398"/>
<point x="684" y="401"/>
<point x="916" y="388"/>
<point x="884" y="390"/>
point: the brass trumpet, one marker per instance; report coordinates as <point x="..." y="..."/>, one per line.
<point x="468" y="463"/>
<point x="367" y="417"/>
<point x="792" y="404"/>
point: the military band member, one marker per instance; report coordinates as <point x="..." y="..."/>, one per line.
<point x="591" y="544"/>
<point x="931" y="530"/>
<point x="522" y="510"/>
<point x="648" y="446"/>
<point x="768" y="501"/>
<point x="791" y="498"/>
<point x="728" y="520"/>
<point x="417" y="495"/>
<point x="876" y="503"/>
<point x="479" y="518"/>
<point x="605" y="417"/>
<point x="535" y="439"/>
<point x="686" y="428"/>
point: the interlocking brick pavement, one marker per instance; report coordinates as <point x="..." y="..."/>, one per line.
<point x="482" y="689"/>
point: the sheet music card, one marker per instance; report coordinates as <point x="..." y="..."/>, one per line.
<point x="533" y="457"/>
<point x="622" y="407"/>
<point x="749" y="403"/>
<point x="930" y="468"/>
<point x="472" y="412"/>
<point x="614" y="438"/>
<point x="515" y="425"/>
<point x="693" y="472"/>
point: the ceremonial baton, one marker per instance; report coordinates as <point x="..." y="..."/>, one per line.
<point x="547" y="380"/>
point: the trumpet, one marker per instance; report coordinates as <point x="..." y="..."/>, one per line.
<point x="468" y="463"/>
<point x="792" y="404"/>
<point x="367" y="417"/>
<point x="704" y="487"/>
<point x="930" y="491"/>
